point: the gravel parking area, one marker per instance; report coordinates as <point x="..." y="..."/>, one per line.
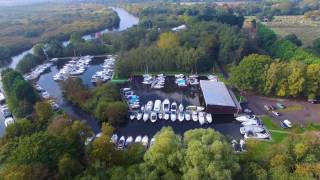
<point x="297" y="111"/>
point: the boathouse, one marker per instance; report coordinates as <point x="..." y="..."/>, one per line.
<point x="218" y="98"/>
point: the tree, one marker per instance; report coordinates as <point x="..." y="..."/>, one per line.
<point x="208" y="156"/>
<point x="250" y="73"/>
<point x="312" y="87"/>
<point x="43" y="111"/>
<point x="69" y="167"/>
<point x="117" y="112"/>
<point x="316" y="45"/>
<point x="38" y="50"/>
<point x="164" y="159"/>
<point x="296" y="79"/>
<point x="168" y="40"/>
<point x="294" y="39"/>
<point x="22" y="127"/>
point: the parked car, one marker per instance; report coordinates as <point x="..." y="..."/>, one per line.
<point x="275" y="113"/>
<point x="269" y="107"/>
<point x="314" y="101"/>
<point x="280" y="106"/>
<point x="285" y="124"/>
<point x="248" y="111"/>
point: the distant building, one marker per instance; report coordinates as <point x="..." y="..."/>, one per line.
<point x="218" y="98"/>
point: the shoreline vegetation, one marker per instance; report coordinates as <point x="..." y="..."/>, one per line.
<point x="24" y="29"/>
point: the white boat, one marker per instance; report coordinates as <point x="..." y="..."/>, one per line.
<point x="194" y="116"/>
<point x="209" y="118"/>
<point x="138" y="139"/>
<point x="181" y="116"/>
<point x="200" y="108"/>
<point x="174" y="107"/>
<point x="187" y="116"/>
<point x="139" y="116"/>
<point x="121" y="142"/>
<point x="153" y="117"/>
<point x="191" y="108"/>
<point x="145" y="141"/>
<point x="253" y="135"/>
<point x="132" y="116"/>
<point x="149" y="106"/>
<point x="173" y="116"/>
<point x="129" y="140"/>
<point x="157" y="105"/>
<point x="166" y="116"/>
<point x="245" y="118"/>
<point x="201" y="118"/>
<point x="181" y="107"/>
<point x="145" y="116"/>
<point x="160" y="115"/>
<point x="166" y="105"/>
<point x="114" y="138"/>
<point x="152" y="141"/>
<point x="250" y="123"/>
<point x="256" y="129"/>
<point x="8" y="121"/>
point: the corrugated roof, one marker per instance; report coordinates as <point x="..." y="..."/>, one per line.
<point x="216" y="93"/>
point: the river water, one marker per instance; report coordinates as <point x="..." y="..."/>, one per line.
<point x="225" y="125"/>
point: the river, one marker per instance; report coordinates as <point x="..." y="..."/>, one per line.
<point x="127" y="20"/>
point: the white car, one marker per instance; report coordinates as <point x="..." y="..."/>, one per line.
<point x="276" y="113"/>
<point x="287" y="123"/>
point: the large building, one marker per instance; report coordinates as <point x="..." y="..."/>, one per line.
<point x="218" y="98"/>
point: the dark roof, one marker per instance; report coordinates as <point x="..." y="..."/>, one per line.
<point x="216" y="93"/>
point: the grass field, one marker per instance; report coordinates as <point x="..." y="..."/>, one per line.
<point x="306" y="29"/>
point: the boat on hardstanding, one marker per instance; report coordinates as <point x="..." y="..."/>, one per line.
<point x="173" y="116"/>
<point x="254" y="135"/>
<point x="209" y="118"/>
<point x="157" y="105"/>
<point x="149" y="106"/>
<point x="114" y="138"/>
<point x="129" y="141"/>
<point x="174" y="107"/>
<point x="153" y="117"/>
<point x="166" y="116"/>
<point x="187" y="116"/>
<point x="121" y="142"/>
<point x="181" y="116"/>
<point x="138" y="139"/>
<point x="139" y="115"/>
<point x="166" y="105"/>
<point x="145" y="141"/>
<point x="256" y="129"/>
<point x="194" y="116"/>
<point x="201" y="118"/>
<point x="245" y="118"/>
<point x="145" y="116"/>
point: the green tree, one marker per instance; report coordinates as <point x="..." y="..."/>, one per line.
<point x="69" y="167"/>
<point x="43" y="111"/>
<point x="117" y="112"/>
<point x="294" y="39"/>
<point x="312" y="87"/>
<point x="22" y="127"/>
<point x="168" y="40"/>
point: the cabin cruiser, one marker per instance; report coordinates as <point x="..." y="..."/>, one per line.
<point x="145" y="116"/>
<point x="181" y="107"/>
<point x="250" y="123"/>
<point x="181" y="82"/>
<point x="145" y="141"/>
<point x="129" y="141"/>
<point x="45" y="95"/>
<point x="209" y="118"/>
<point x="181" y="116"/>
<point x="195" y="108"/>
<point x="173" y="116"/>
<point x="153" y="117"/>
<point x="138" y="139"/>
<point x="121" y="142"/>
<point x="194" y="116"/>
<point x="166" y="116"/>
<point x="8" y="121"/>
<point x="160" y="115"/>
<point x="245" y="118"/>
<point x="114" y="138"/>
<point x="201" y="118"/>
<point x="132" y="116"/>
<point x="255" y="129"/>
<point x="152" y="141"/>
<point x="174" y="107"/>
<point x="157" y="106"/>
<point x="254" y="135"/>
<point x="166" y="105"/>
<point x="149" y="106"/>
<point x="187" y="116"/>
<point x="139" y="115"/>
<point x="212" y="77"/>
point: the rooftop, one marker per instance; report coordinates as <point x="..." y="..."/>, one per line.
<point x="216" y="93"/>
